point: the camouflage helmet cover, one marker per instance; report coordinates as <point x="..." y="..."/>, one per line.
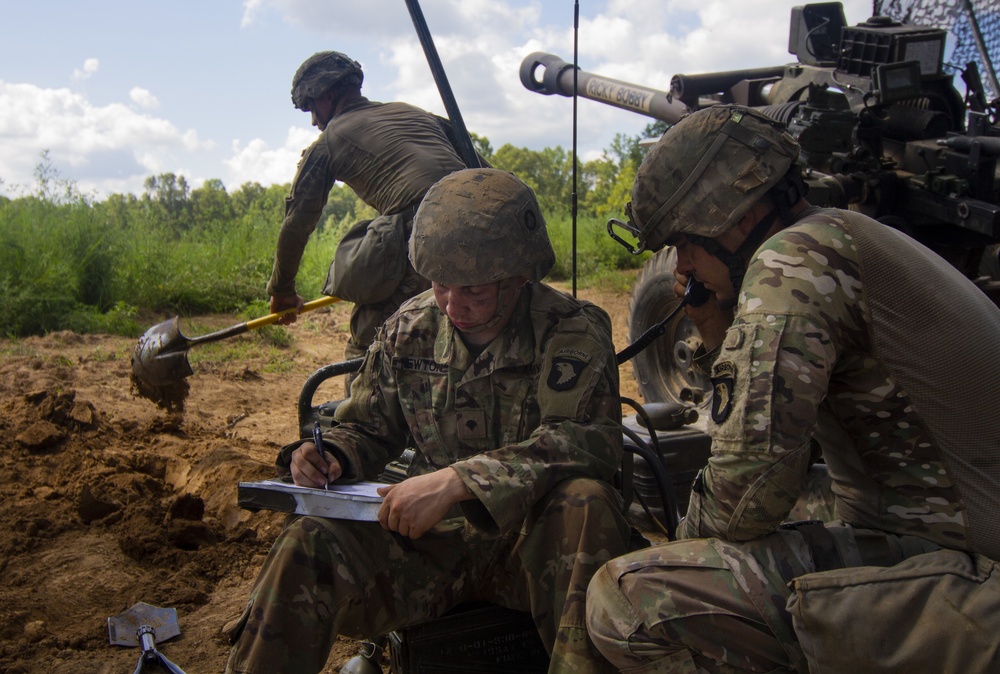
<point x="319" y="72"/>
<point x="706" y="172"/>
<point x="478" y="226"/>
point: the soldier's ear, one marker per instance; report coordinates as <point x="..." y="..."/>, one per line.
<point x="733" y="238"/>
<point x="757" y="212"/>
<point x="749" y="219"/>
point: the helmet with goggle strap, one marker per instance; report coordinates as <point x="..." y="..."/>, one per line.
<point x="702" y="177"/>
<point x="704" y="174"/>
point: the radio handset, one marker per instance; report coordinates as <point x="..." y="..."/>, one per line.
<point x="696" y="293"/>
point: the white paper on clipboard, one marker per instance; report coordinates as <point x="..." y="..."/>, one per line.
<point x="357" y="501"/>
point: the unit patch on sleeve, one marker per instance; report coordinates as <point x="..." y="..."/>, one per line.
<point x="723" y="383"/>
<point x="567" y="365"/>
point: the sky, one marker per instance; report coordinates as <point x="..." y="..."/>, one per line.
<point x="115" y="91"/>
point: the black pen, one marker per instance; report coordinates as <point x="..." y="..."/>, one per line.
<point x="318" y="441"/>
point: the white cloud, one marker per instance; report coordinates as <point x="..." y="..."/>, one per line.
<point x="90" y="67"/>
<point x="481" y="44"/>
<point x="256" y="162"/>
<point x="82" y="137"/>
<point x="143" y="98"/>
<point x="251" y="8"/>
<point x="644" y="42"/>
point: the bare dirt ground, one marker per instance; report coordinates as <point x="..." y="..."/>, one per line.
<point x="108" y="500"/>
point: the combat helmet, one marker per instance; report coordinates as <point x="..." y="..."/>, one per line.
<point x="321" y="71"/>
<point x="705" y="173"/>
<point x="477" y="226"/>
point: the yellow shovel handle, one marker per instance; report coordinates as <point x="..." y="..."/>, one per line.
<point x="308" y="306"/>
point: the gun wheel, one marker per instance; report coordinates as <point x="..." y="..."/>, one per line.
<point x="664" y="371"/>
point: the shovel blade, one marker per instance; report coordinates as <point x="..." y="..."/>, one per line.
<point x="160" y="357"/>
<point x="123" y="629"/>
<point x="160" y="365"/>
<point x="159" y="361"/>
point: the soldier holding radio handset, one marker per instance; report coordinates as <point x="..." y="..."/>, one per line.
<point x="823" y="339"/>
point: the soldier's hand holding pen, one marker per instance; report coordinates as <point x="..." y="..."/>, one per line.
<point x="312" y="466"/>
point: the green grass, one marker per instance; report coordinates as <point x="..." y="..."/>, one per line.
<point x="63" y="268"/>
<point x="16" y="348"/>
<point x="597" y="254"/>
<point x="235" y="350"/>
<point x="91" y="268"/>
<point x="100" y="355"/>
<point x="612" y="281"/>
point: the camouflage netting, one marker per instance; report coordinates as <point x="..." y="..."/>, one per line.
<point x="954" y="16"/>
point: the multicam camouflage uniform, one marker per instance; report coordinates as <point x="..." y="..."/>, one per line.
<point x="389" y="154"/>
<point x="531" y="425"/>
<point x="853" y="336"/>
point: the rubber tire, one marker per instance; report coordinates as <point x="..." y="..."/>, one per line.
<point x="663" y="370"/>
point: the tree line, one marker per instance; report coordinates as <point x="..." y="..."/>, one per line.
<point x="69" y="261"/>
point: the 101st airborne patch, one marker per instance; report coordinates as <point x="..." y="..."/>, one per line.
<point x="567" y="365"/>
<point x="723" y="384"/>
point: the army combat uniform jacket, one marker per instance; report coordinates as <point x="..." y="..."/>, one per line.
<point x="853" y="338"/>
<point x="532" y="426"/>
<point x="389" y="154"/>
<point x="538" y="406"/>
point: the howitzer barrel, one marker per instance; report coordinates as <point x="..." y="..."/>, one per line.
<point x="689" y="88"/>
<point x="989" y="145"/>
<point x="557" y="78"/>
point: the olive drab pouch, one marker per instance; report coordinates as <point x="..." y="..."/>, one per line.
<point x="370" y="260"/>
<point x="935" y="612"/>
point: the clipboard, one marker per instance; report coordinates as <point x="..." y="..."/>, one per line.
<point x="357" y="501"/>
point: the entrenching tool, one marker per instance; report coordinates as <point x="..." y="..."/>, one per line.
<point x="160" y="364"/>
<point x="143" y="625"/>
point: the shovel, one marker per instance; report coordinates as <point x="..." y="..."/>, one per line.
<point x="160" y="364"/>
<point x="144" y="625"/>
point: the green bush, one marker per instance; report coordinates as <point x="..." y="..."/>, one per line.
<point x="596" y="252"/>
<point x="68" y="262"/>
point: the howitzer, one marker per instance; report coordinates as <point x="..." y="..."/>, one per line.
<point x="882" y="129"/>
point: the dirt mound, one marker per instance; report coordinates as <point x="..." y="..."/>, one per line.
<point x="109" y="500"/>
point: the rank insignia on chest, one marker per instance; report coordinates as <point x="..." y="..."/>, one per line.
<point x="565" y="372"/>
<point x="723" y="382"/>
